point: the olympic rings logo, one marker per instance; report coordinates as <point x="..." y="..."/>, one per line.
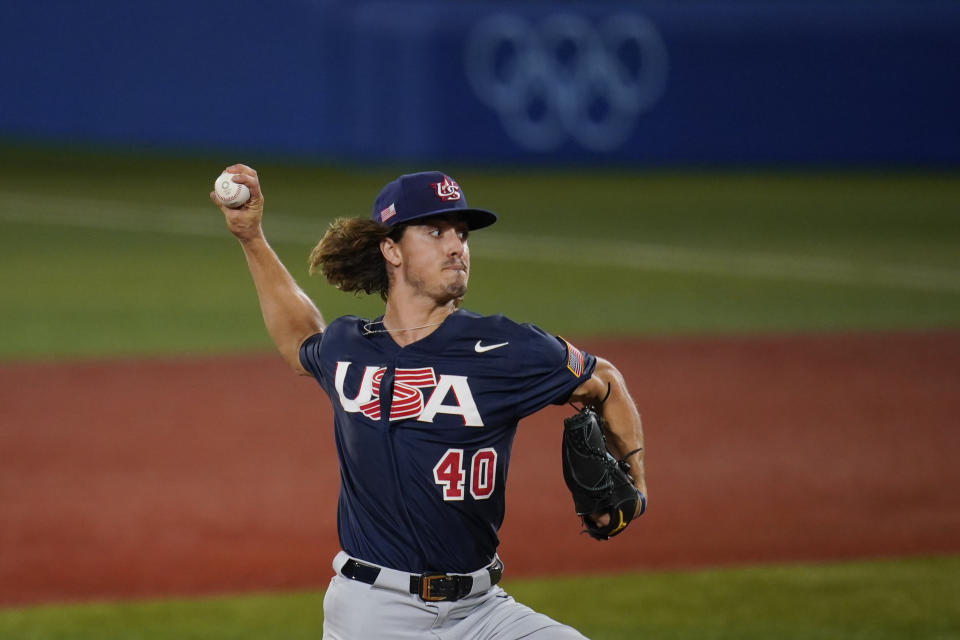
<point x="566" y="77"/>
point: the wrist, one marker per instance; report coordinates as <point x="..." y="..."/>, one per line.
<point x="251" y="237"/>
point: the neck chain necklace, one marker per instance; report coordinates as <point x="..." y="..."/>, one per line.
<point x="367" y="330"/>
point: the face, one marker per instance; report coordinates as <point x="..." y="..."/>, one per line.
<point x="435" y="258"/>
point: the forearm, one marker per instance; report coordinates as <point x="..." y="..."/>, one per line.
<point x="288" y="313"/>
<point x="624" y="430"/>
<point x="607" y="390"/>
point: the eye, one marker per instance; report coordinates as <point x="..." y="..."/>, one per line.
<point x="463" y="235"/>
<point x="435" y="232"/>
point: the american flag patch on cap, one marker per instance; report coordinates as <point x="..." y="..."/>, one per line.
<point x="388" y="213"/>
<point x="574" y="359"/>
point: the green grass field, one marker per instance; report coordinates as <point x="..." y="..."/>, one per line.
<point x="917" y="599"/>
<point x="107" y="255"/>
<point x="124" y="255"/>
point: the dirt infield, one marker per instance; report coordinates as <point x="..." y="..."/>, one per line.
<point x="146" y="478"/>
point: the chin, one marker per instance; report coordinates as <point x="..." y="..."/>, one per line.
<point x="457" y="289"/>
<point x="458" y="286"/>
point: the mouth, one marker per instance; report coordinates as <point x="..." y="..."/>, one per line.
<point x="455" y="266"/>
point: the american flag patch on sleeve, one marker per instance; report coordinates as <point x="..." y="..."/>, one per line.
<point x="574" y="359"/>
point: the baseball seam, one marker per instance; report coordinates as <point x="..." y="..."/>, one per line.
<point x="229" y="200"/>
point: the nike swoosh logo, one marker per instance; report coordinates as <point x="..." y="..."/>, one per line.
<point x="481" y="348"/>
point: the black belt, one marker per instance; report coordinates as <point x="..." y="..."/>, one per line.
<point x="431" y="587"/>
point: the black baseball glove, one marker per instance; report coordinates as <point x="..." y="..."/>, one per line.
<point x="598" y="482"/>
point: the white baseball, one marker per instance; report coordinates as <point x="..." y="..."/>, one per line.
<point x="230" y="193"/>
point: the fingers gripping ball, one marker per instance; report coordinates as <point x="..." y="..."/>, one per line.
<point x="598" y="483"/>
<point x="229" y="193"/>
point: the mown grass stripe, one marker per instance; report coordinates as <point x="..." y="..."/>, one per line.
<point x="202" y="221"/>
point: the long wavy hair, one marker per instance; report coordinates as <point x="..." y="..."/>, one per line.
<point x="349" y="255"/>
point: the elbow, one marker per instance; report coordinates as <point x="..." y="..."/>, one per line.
<point x="608" y="373"/>
<point x="604" y="381"/>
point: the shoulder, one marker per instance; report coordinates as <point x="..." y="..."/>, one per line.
<point x="498" y="324"/>
<point x="341" y="339"/>
<point x="498" y="328"/>
<point x="339" y="331"/>
<point x="346" y="324"/>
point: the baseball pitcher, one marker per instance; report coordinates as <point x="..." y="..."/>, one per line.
<point x="426" y="400"/>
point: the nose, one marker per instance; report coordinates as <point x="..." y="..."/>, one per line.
<point x="455" y="244"/>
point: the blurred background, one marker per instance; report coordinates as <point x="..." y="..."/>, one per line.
<point x="679" y="174"/>
<point x="675" y="84"/>
<point x="707" y="166"/>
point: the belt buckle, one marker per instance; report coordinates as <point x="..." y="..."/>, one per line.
<point x="425" y="582"/>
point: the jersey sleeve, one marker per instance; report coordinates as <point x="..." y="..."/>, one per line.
<point x="552" y="369"/>
<point x="310" y="355"/>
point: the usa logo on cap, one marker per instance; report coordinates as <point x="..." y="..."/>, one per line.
<point x="447" y="190"/>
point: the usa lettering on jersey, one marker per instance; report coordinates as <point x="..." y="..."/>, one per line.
<point x="409" y="400"/>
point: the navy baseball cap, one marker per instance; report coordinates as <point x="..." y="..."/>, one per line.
<point x="428" y="193"/>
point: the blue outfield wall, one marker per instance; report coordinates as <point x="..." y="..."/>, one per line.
<point x="718" y="82"/>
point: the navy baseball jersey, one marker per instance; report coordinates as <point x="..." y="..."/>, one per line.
<point x="424" y="432"/>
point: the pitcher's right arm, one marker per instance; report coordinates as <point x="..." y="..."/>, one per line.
<point x="288" y="313"/>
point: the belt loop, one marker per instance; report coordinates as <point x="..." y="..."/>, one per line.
<point x="360" y="572"/>
<point x="495" y="571"/>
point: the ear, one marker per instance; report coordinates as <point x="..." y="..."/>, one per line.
<point x="390" y="249"/>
